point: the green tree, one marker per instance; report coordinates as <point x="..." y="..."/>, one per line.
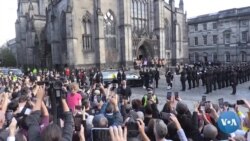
<point x="8" y="58"/>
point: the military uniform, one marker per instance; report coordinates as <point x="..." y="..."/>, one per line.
<point x="189" y="78"/>
<point x="156" y="77"/>
<point x="234" y="81"/>
<point x="183" y="80"/>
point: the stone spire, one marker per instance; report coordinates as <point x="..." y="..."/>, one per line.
<point x="181" y="5"/>
<point x="172" y="4"/>
<point x="31" y="7"/>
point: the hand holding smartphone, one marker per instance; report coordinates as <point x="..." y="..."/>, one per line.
<point x="240" y="102"/>
<point x="169" y="95"/>
<point x="176" y="94"/>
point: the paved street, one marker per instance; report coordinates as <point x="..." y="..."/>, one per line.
<point x="194" y="95"/>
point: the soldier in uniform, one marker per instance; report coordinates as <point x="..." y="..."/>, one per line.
<point x="156" y="77"/>
<point x="203" y="76"/>
<point x="223" y="75"/>
<point x="124" y="75"/>
<point x="141" y="73"/>
<point x="189" y="77"/>
<point x="214" y="78"/>
<point x="227" y="77"/>
<point x="183" y="80"/>
<point x="194" y="76"/>
<point x="234" y="81"/>
<point x="119" y="77"/>
<point x="146" y="78"/>
<point x="151" y="76"/>
<point x="91" y="76"/>
<point x="208" y="75"/>
<point x="169" y="78"/>
<point x="198" y="78"/>
<point x="219" y="77"/>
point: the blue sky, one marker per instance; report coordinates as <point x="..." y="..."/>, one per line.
<point x="193" y="7"/>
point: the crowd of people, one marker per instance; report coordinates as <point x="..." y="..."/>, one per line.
<point x="53" y="106"/>
<point x="142" y="63"/>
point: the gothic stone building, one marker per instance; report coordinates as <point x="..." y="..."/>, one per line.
<point x="105" y="33"/>
<point x="30" y="25"/>
<point x="220" y="37"/>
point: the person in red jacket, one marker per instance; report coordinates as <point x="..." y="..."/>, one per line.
<point x="67" y="72"/>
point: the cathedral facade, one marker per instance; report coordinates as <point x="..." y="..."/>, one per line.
<point x="106" y="33"/>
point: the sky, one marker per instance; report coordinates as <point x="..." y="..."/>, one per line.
<point x="193" y="7"/>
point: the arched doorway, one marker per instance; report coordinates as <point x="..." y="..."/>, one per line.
<point x="145" y="51"/>
<point x="142" y="53"/>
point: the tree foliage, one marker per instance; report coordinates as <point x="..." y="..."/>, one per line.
<point x="7" y="58"/>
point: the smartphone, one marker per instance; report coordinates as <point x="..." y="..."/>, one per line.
<point x="240" y="102"/>
<point x="27" y="111"/>
<point x="100" y="134"/>
<point x="203" y="100"/>
<point x="176" y="94"/>
<point x="221" y="102"/>
<point x="78" y="122"/>
<point x="202" y="108"/>
<point x="9" y="115"/>
<point x="165" y="116"/>
<point x="169" y="95"/>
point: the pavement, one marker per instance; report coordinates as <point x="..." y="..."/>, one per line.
<point x="190" y="97"/>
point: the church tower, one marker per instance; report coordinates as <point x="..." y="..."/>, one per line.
<point x="172" y="4"/>
<point x="181" y="5"/>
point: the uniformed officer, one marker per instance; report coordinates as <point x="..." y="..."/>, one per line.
<point x="219" y="77"/>
<point x="146" y="78"/>
<point x="156" y="77"/>
<point x="194" y="76"/>
<point x="119" y="77"/>
<point x="208" y="75"/>
<point x="214" y="78"/>
<point x="189" y="77"/>
<point x="183" y="79"/>
<point x="234" y="81"/>
<point x="151" y="76"/>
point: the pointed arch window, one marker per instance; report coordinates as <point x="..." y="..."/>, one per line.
<point x="139" y="15"/>
<point x="109" y="30"/>
<point x="86" y="36"/>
